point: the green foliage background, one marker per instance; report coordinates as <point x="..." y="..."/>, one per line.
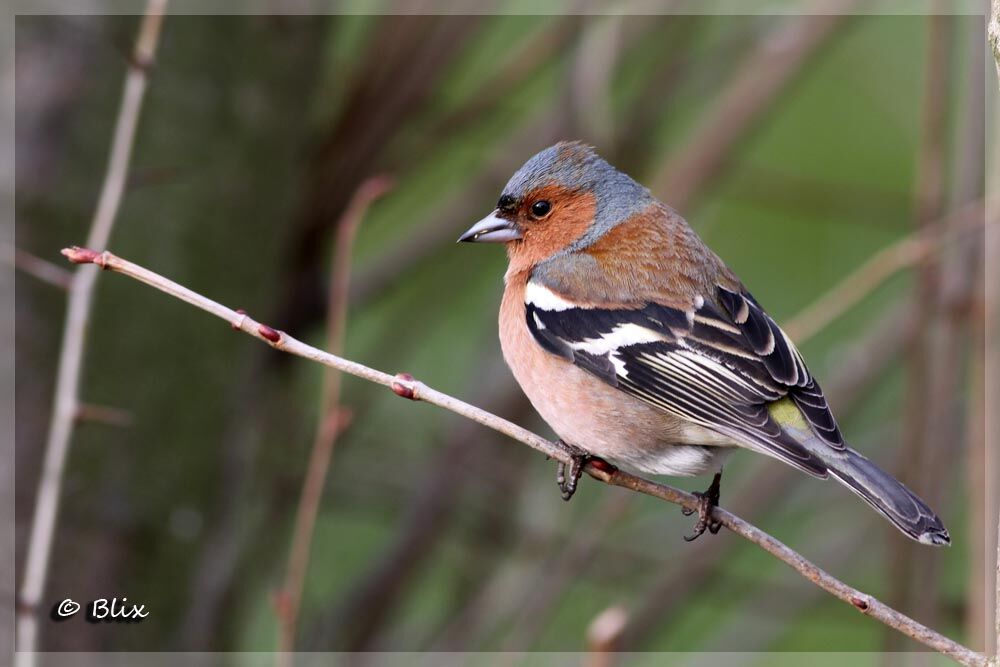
<point x="189" y="510"/>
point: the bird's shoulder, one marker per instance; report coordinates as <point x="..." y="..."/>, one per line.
<point x="653" y="256"/>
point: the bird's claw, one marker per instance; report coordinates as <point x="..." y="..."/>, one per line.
<point x="578" y="460"/>
<point x="706" y="502"/>
<point x="567" y="484"/>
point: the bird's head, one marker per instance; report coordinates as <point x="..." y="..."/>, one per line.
<point x="563" y="199"/>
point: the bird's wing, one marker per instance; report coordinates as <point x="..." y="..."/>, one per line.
<point x="724" y="364"/>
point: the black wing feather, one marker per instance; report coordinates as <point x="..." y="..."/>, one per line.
<point x="719" y="366"/>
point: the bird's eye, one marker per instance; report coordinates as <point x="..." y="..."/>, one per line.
<point x="541" y="208"/>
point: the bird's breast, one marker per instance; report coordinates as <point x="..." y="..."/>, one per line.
<point x="589" y="413"/>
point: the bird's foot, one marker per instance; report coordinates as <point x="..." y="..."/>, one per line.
<point x="706" y="501"/>
<point x="578" y="460"/>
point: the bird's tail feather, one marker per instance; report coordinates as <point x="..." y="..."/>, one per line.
<point x="888" y="495"/>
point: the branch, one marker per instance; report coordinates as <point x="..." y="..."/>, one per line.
<point x="604" y="636"/>
<point x="103" y="414"/>
<point x="331" y="416"/>
<point x="912" y="581"/>
<point x="41" y="269"/>
<point x="81" y="291"/>
<point x="910" y="250"/>
<point x="405" y="386"/>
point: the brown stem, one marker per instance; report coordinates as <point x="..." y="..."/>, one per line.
<point x="405" y="386"/>
<point x="911" y="250"/>
<point x="331" y="416"/>
<point x="961" y="304"/>
<point x="43" y="270"/>
<point x="604" y="636"/>
<point x="103" y="414"/>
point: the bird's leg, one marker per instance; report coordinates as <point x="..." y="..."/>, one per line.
<point x="706" y="501"/>
<point x="578" y="459"/>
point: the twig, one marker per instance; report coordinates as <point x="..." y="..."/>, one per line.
<point x="81" y="292"/>
<point x="885" y="263"/>
<point x="604" y="635"/>
<point x="962" y="306"/>
<point x="330" y="415"/>
<point x="762" y="76"/>
<point x="37" y="267"/>
<point x="103" y="414"/>
<point x="407" y="387"/>
<point x="912" y="583"/>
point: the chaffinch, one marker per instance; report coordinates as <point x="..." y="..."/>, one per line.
<point x="638" y="345"/>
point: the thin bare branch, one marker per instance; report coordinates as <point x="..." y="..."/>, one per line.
<point x="912" y="580"/>
<point x="103" y="414"/>
<point x="407" y="387"/>
<point x="604" y="635"/>
<point x="862" y="281"/>
<point x="81" y="291"/>
<point x="961" y="305"/>
<point x="331" y="415"/>
<point x="35" y="266"/>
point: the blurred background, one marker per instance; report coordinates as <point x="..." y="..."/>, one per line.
<point x="835" y="162"/>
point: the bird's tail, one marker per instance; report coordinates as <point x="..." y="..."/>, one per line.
<point x="888" y="495"/>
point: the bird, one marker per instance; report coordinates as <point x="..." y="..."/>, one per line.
<point x="640" y="347"/>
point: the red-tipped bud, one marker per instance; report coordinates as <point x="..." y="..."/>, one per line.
<point x="269" y="333"/>
<point x="401" y="389"/>
<point x="860" y="603"/>
<point x="79" y="255"/>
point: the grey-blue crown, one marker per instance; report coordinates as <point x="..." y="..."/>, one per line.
<point x="576" y="166"/>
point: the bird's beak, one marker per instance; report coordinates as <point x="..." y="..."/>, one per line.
<point x="491" y="229"/>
